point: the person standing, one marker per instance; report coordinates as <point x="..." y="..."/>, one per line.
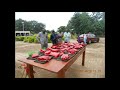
<point x="78" y="38"/>
<point x="53" y="38"/>
<point x="43" y="39"/>
<point x="67" y="37"/>
<point x="85" y="38"/>
<point x="60" y="35"/>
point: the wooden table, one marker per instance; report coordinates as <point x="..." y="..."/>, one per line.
<point x="58" y="67"/>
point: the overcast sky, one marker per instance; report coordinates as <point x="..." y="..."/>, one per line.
<point x="52" y="20"/>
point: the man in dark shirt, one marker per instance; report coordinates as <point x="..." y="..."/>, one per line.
<point x="54" y="38"/>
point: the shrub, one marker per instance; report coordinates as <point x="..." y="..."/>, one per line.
<point x="31" y="39"/>
<point x="34" y="35"/>
<point x="19" y="38"/>
<point x="35" y="40"/>
<point x="49" y="41"/>
<point x="25" y="39"/>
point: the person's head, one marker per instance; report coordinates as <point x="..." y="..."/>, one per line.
<point x="53" y="31"/>
<point x="89" y="32"/>
<point x="44" y="32"/>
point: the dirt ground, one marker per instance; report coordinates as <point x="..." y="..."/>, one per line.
<point x="94" y="61"/>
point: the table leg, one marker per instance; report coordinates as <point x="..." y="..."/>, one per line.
<point x="61" y="74"/>
<point x="83" y="58"/>
<point x="30" y="71"/>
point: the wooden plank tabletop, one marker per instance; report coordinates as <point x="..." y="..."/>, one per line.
<point x="54" y="65"/>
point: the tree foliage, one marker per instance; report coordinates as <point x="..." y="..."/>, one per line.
<point x="32" y="26"/>
<point x="84" y="23"/>
<point x="62" y="29"/>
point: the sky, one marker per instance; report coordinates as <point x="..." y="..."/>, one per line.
<point x="52" y="20"/>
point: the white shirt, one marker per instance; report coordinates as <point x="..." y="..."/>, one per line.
<point x="67" y="35"/>
<point x="85" y="36"/>
<point x="43" y="37"/>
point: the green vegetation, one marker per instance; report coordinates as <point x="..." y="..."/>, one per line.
<point x="19" y="38"/>
<point x="30" y="39"/>
<point x="84" y="23"/>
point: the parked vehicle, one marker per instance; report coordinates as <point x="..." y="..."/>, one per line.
<point x="91" y="38"/>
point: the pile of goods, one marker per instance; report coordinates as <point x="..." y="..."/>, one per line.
<point x="62" y="52"/>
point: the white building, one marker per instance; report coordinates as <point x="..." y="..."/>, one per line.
<point x="22" y="33"/>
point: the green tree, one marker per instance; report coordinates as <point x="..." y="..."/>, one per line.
<point x="84" y="23"/>
<point x="80" y="23"/>
<point x="18" y="25"/>
<point x="32" y="26"/>
<point x="62" y="29"/>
